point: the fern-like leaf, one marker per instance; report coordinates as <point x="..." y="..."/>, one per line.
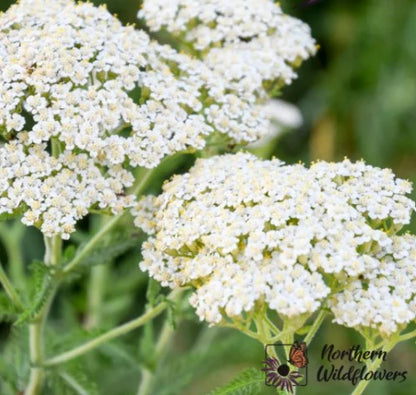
<point x="8" y="310"/>
<point x="249" y="382"/>
<point x="41" y="280"/>
<point x="107" y="253"/>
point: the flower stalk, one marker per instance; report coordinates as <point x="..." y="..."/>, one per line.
<point x="374" y="365"/>
<point x="147" y="379"/>
<point x="37" y="326"/>
<point x="111" y="334"/>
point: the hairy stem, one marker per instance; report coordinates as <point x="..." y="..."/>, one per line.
<point x="37" y="326"/>
<point x="315" y="326"/>
<point x="92" y="244"/>
<point x="147" y="376"/>
<point x="373" y="366"/>
<point x="72" y="382"/>
<point x="53" y="247"/>
<point x="96" y="290"/>
<point x="111" y="334"/>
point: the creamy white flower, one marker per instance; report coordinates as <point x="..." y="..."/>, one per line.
<point x="240" y="229"/>
<point x="246" y="42"/>
<point x="250" y="46"/>
<point x="383" y="298"/>
<point x="109" y="98"/>
<point x="56" y="192"/>
<point x="80" y="75"/>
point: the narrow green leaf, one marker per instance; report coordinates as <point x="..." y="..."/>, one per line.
<point x="107" y="253"/>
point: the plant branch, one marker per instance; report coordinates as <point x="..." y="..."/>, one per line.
<point x="407" y="336"/>
<point x="77" y="387"/>
<point x="315" y="326"/>
<point x="37" y="326"/>
<point x="111" y="334"/>
<point x="373" y="366"/>
<point x="92" y="243"/>
<point x="147" y="376"/>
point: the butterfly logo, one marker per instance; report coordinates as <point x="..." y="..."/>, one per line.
<point x="297" y="355"/>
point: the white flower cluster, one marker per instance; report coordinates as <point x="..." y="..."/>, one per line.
<point x="247" y="42"/>
<point x="71" y="76"/>
<point x="55" y="192"/>
<point x="384" y="298"/>
<point x="241" y="230"/>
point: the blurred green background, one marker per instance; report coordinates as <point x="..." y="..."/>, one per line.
<point x="358" y="99"/>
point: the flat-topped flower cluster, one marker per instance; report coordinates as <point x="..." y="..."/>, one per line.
<point x="241" y="230"/>
<point x="251" y="46"/>
<point x="248" y="42"/>
<point x="106" y="95"/>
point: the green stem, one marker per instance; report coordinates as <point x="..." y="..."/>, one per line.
<point x="261" y="331"/>
<point x="286" y="337"/>
<point x="145" y="382"/>
<point x="282" y="335"/>
<point x="9" y="289"/>
<point x="99" y="273"/>
<point x="36" y="373"/>
<point x="240" y="328"/>
<point x="315" y="326"/>
<point x="53" y="247"/>
<point x="273" y="328"/>
<point x="111" y="334"/>
<point x="148" y="376"/>
<point x="141" y="182"/>
<point x="373" y="366"/>
<point x="37" y="326"/>
<point x="91" y="244"/>
<point x="136" y="190"/>
<point x="96" y="290"/>
<point x="407" y="336"/>
<point x="75" y="385"/>
<point x="56" y="147"/>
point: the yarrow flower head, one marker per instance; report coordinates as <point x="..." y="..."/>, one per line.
<point x="243" y="231"/>
<point x="251" y="47"/>
<point x="84" y="100"/>
<point x="248" y="42"/>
